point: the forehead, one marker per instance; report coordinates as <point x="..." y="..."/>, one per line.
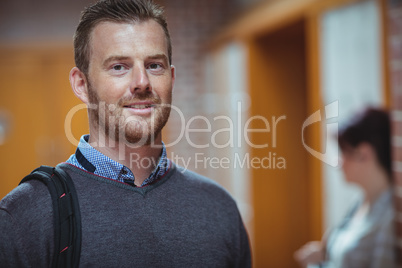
<point x="138" y="36"/>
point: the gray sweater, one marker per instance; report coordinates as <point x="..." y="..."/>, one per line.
<point x="183" y="220"/>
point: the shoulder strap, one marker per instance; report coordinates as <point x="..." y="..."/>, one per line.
<point x="67" y="217"/>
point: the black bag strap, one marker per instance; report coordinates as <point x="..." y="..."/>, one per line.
<point x="67" y="217"/>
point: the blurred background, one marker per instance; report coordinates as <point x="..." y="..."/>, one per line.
<point x="249" y="75"/>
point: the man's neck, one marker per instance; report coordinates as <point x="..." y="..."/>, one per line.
<point x="141" y="160"/>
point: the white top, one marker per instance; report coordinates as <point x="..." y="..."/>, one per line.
<point x="365" y="242"/>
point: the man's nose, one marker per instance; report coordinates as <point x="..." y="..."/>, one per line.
<point x="140" y="80"/>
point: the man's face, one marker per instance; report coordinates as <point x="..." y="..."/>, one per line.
<point x="130" y="81"/>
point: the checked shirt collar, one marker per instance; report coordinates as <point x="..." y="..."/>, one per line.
<point x="90" y="159"/>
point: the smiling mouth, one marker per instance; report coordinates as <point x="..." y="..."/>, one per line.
<point x="140" y="106"/>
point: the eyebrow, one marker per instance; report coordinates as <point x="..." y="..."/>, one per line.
<point x="158" y="57"/>
<point x="113" y="58"/>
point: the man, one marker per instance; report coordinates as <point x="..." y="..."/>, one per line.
<point x="133" y="214"/>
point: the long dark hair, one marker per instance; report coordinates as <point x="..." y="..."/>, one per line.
<point x="372" y="126"/>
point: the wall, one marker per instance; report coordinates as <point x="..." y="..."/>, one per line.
<point x="394" y="21"/>
<point x="39" y="21"/>
<point x="191" y="24"/>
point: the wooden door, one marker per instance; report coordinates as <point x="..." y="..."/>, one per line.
<point x="281" y="192"/>
<point x="35" y="97"/>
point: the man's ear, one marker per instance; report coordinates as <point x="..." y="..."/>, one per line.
<point x="366" y="152"/>
<point x="79" y="84"/>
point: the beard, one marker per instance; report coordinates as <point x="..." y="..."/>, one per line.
<point x="134" y="130"/>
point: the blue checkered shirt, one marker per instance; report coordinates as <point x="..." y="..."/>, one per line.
<point x="108" y="168"/>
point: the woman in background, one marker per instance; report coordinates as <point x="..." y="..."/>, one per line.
<point x="366" y="236"/>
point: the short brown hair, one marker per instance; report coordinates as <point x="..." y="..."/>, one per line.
<point x="120" y="11"/>
<point x="373" y="126"/>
